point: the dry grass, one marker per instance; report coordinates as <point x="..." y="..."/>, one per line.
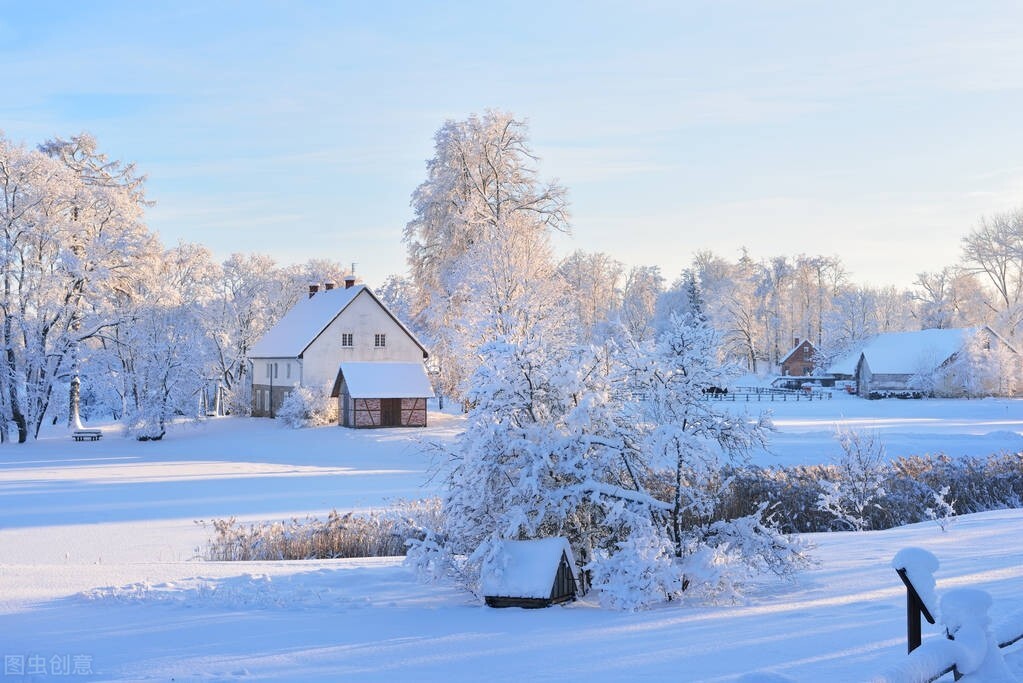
<point x="373" y="534"/>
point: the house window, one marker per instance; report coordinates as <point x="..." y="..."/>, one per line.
<point x="347" y="340"/>
<point x="287" y="371"/>
<point x="275" y="370"/>
<point x="268" y="370"/>
<point x="379" y="341"/>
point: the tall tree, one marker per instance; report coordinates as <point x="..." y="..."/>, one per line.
<point x="995" y="250"/>
<point x="73" y="233"/>
<point x="593" y="282"/>
<point x="481" y="193"/>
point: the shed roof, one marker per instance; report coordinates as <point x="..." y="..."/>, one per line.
<point x="384" y="379"/>
<point x="525" y="569"/>
<point x="906" y="353"/>
<point x="308" y="318"/>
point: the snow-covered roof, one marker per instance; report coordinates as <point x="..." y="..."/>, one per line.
<point x="901" y="353"/>
<point x="293" y="333"/>
<point x="525" y="569"/>
<point x="383" y="379"/>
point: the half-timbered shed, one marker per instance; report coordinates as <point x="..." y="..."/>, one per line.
<point x="382" y="394"/>
<point x="333" y="325"/>
<point x="534" y="573"/>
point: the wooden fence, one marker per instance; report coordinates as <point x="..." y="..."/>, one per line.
<point x="767" y="394"/>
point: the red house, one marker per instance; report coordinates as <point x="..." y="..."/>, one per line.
<point x="799" y="361"/>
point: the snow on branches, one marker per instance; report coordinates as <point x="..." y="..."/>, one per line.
<point x="615" y="449"/>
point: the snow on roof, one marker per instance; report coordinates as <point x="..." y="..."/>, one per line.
<point x="300" y="326"/>
<point x="525" y="569"/>
<point x="900" y="353"/>
<point x="381" y="379"/>
<point x="293" y="333"/>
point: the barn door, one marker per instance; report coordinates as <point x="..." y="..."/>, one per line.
<point x="390" y="412"/>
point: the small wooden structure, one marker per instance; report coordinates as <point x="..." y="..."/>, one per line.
<point x="530" y="574"/>
<point x="382" y="394"/>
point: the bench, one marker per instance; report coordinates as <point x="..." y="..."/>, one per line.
<point x="87" y="435"/>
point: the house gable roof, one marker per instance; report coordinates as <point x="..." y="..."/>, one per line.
<point x="383" y="379"/>
<point x="307" y="320"/>
<point x="525" y="569"/>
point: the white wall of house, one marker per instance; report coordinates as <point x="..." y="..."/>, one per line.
<point x="282" y="371"/>
<point x="364" y="319"/>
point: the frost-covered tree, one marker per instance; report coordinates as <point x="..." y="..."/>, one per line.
<point x="638" y="308"/>
<point x="949" y="298"/>
<point x="683" y="443"/>
<point x="593" y="284"/>
<point x="165" y="356"/>
<point x="481" y="194"/>
<point x="622" y="459"/>
<point x="995" y="251"/>
<point x="72" y="236"/>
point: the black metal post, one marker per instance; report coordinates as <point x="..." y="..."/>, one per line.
<point x="915" y="607"/>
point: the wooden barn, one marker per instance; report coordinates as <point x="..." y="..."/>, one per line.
<point x="382" y="394"/>
<point x="531" y="574"/>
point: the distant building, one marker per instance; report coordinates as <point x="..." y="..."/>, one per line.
<point x="799" y="362"/>
<point x="311" y="344"/>
<point x="949" y="362"/>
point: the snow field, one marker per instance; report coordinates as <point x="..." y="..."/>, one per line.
<point x="98" y="544"/>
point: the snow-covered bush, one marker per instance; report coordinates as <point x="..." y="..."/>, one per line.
<point x="859" y="486"/>
<point x="943" y="511"/>
<point x="305" y="407"/>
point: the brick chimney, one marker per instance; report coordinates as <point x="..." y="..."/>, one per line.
<point x="796" y="342"/>
<point x="349" y="281"/>
<point x="327" y="286"/>
<point x="313" y="289"/>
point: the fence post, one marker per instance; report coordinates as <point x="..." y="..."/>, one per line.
<point x="922" y="565"/>
<point x="915" y="607"/>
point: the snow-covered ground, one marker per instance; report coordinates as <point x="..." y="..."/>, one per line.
<point x="806" y="429"/>
<point x="98" y="568"/>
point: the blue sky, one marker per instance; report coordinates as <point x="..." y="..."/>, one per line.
<point x="880" y="132"/>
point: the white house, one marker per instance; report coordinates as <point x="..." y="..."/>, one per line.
<point x="329" y="328"/>
<point x="949" y="362"/>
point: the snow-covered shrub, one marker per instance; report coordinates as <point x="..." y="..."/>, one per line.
<point x="305" y="407"/>
<point x="859" y="486"/>
<point x="238" y="399"/>
<point x="943" y="511"/>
